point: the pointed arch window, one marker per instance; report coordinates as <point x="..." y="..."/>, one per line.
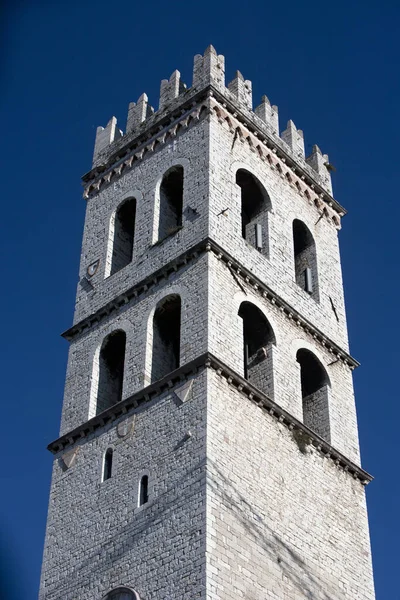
<point x="315" y="393"/>
<point x="255" y="207"/>
<point x="305" y="259"/>
<point x="258" y="345"/>
<point x="124" y="234"/>
<point x="171" y="202"/>
<point x="111" y="371"/>
<point x="166" y="337"/>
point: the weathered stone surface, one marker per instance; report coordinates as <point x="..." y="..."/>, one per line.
<point x="238" y="505"/>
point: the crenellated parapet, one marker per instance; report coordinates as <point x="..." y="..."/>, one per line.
<point x="320" y="163"/>
<point x="268" y="114"/>
<point x="138" y="112"/>
<point x="294" y="138"/>
<point x="209" y="77"/>
<point x="105" y="136"/>
<point x="209" y="70"/>
<point x="241" y="89"/>
<point x="170" y="89"/>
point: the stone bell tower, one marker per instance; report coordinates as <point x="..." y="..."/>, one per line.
<point x="208" y="445"/>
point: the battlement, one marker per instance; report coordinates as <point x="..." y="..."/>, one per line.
<point x="209" y="70"/>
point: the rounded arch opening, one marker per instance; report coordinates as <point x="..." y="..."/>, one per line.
<point x="255" y="207"/>
<point x="305" y="259"/>
<point x="315" y="386"/>
<point x="122" y="238"/>
<point x="171" y="202"/>
<point x="258" y="342"/>
<point x="111" y="370"/>
<point x="166" y="337"/>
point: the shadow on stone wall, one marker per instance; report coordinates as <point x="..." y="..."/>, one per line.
<point x="180" y="552"/>
<point x="307" y="583"/>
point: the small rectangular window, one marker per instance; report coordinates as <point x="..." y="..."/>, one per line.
<point x="144" y="490"/>
<point x="259" y="240"/>
<point x="308" y="283"/>
<point x="107" y="468"/>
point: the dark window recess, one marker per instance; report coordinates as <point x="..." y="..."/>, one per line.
<point x="108" y="459"/>
<point x="305" y="259"/>
<point x="111" y="371"/>
<point x="258" y="341"/>
<point x="171" y="202"/>
<point x="314" y="391"/>
<point x="124" y="232"/>
<point x="144" y="490"/>
<point x="255" y="206"/>
<point x="122" y="594"/>
<point x="166" y="337"/>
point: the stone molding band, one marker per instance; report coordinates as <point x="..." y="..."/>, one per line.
<point x="182" y="116"/>
<point x="248" y="278"/>
<point x="167" y="383"/>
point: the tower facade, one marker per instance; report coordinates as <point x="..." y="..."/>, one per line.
<point x="208" y="445"/>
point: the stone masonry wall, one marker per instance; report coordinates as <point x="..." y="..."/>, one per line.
<point x="137" y="322"/>
<point x="226" y="342"/>
<point x="282" y="521"/>
<point x="277" y="271"/>
<point x="239" y="506"/>
<point x="143" y="182"/>
<point x="97" y="537"/>
<point x="316" y="412"/>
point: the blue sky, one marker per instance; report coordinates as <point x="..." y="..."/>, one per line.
<point x="67" y="68"/>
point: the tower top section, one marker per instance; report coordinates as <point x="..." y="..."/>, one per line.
<point x="236" y="96"/>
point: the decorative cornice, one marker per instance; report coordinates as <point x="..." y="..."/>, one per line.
<point x="245" y="275"/>
<point x="208" y="360"/>
<point x="140" y="288"/>
<point x="279" y="160"/>
<point x="284" y="307"/>
<point x="128" y="404"/>
<point x="161" y="130"/>
<point x="158" y="134"/>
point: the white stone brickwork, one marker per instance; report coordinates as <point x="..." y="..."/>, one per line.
<point x="248" y="449"/>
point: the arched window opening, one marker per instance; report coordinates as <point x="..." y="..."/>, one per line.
<point x="314" y="391"/>
<point x="122" y="594"/>
<point x="305" y="259"/>
<point x="171" y="202"/>
<point x="124" y="232"/>
<point x="255" y="205"/>
<point x="258" y="341"/>
<point x="107" y="468"/>
<point x="111" y="371"/>
<point x="166" y="337"/>
<point x="143" y="490"/>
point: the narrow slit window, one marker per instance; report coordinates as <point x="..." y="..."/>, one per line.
<point x="144" y="490"/>
<point x="107" y="468"/>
